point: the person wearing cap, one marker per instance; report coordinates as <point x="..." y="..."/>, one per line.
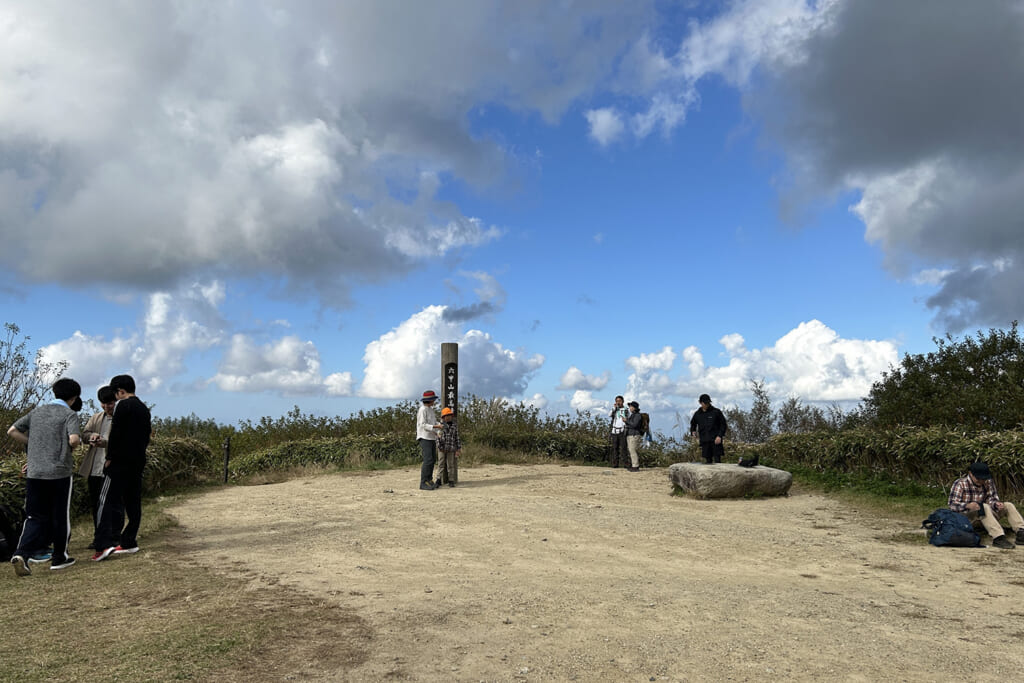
<point x="709" y="427"/>
<point x="974" y="495"/>
<point x="634" y="433"/>
<point x="449" y="447"/>
<point x="427" y="427"/>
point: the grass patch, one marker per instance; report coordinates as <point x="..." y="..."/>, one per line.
<point x="155" y="616"/>
<point x="908" y="501"/>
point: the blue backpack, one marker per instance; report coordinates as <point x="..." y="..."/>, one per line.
<point x="946" y="527"/>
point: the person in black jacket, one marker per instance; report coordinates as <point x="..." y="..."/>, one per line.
<point x="708" y="423"/>
<point x="634" y="433"/>
<point x="121" y="495"/>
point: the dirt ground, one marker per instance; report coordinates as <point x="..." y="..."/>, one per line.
<point x="548" y="572"/>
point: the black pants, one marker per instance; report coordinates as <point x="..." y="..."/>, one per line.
<point x="619" y="450"/>
<point x="428" y="447"/>
<point x="121" y="497"/>
<point x="48" y="520"/>
<point x="711" y="451"/>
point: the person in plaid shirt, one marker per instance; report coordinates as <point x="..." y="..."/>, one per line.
<point x="449" y="447"/>
<point x="974" y="495"/>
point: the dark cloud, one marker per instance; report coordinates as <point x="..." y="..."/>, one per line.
<point x="919" y="107"/>
<point x="458" y="315"/>
<point x="156" y="145"/>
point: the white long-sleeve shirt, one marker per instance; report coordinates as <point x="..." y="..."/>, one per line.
<point x="425" y="421"/>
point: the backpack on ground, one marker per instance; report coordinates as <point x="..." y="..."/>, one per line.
<point x="949" y="528"/>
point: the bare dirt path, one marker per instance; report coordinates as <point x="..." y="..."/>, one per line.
<point x="548" y="572"/>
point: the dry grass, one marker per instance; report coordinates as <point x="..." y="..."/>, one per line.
<point x="156" y="617"/>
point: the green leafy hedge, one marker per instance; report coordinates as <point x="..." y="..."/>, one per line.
<point x="171" y="462"/>
<point x="933" y="456"/>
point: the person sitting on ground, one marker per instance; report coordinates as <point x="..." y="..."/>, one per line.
<point x="974" y="495"/>
<point x="51" y="433"/>
<point x="449" y="447"/>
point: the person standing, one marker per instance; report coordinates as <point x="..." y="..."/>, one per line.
<point x="618" y="436"/>
<point x="449" y="447"/>
<point x="427" y="427"/>
<point x="51" y="432"/>
<point x="634" y="433"/>
<point x="96" y="434"/>
<point x="121" y="495"/>
<point x="709" y="426"/>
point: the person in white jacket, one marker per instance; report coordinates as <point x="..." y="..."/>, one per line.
<point x="427" y="425"/>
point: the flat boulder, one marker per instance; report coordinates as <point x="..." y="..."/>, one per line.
<point x="721" y="480"/>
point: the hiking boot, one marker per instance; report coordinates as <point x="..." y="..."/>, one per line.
<point x="1020" y="536"/>
<point x="426" y="486"/>
<point x="21" y="567"/>
<point x="1003" y="542"/>
<point x="68" y="561"/>
<point x="125" y="551"/>
<point x="102" y="554"/>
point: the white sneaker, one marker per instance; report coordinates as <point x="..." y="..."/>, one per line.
<point x="21" y="567"/>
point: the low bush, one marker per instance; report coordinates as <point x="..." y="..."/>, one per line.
<point x="327" y="452"/>
<point x="932" y="457"/>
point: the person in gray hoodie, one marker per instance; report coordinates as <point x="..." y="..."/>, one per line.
<point x="51" y="432"/>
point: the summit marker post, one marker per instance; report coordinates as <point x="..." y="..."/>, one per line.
<point x="450" y="385"/>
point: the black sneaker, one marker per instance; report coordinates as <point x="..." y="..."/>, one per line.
<point x="68" y="561"/>
<point x="1020" y="536"/>
<point x="21" y="567"/>
<point x="426" y="486"/>
<point x="1003" y="542"/>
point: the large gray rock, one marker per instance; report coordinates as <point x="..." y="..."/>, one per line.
<point x="722" y="480"/>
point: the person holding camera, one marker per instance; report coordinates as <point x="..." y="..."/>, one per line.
<point x="974" y="495"/>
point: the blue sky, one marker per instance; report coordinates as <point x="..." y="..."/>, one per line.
<point x="259" y="205"/>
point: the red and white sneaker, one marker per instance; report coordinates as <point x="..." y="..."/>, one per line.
<point x="102" y="554"/>
<point x="125" y="551"/>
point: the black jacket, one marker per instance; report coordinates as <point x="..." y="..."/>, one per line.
<point x="129" y="436"/>
<point x="633" y="424"/>
<point x="709" y="424"/>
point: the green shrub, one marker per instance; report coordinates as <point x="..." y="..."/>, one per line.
<point x="932" y="457"/>
<point x="325" y="452"/>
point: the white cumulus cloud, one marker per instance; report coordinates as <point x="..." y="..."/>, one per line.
<point x="573" y="378"/>
<point x="406" y="361"/>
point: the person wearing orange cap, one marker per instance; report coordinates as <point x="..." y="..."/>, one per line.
<point x="427" y="427"/>
<point x="449" y="447"/>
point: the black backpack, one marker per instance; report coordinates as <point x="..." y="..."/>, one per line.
<point x="946" y="527"/>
